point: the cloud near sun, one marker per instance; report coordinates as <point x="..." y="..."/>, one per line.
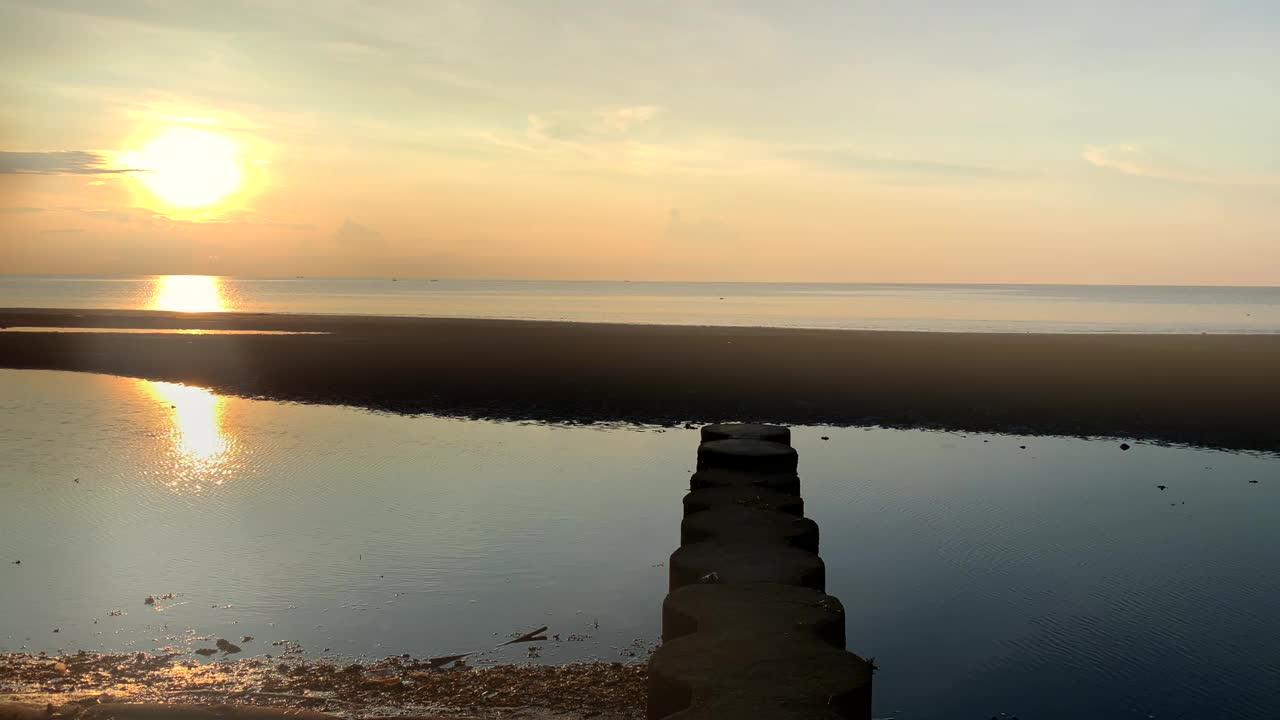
<point x="58" y="162"/>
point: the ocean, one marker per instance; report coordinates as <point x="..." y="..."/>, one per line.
<point x="989" y="575"/>
<point x="909" y="307"/>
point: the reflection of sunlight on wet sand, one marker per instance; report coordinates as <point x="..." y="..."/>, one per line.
<point x="188" y="293"/>
<point x="201" y="448"/>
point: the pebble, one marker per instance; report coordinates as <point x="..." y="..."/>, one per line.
<point x="1124" y="446"/>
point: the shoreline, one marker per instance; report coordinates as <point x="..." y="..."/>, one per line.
<point x="1212" y="390"/>
<point x="247" y="320"/>
<point x="394" y="686"/>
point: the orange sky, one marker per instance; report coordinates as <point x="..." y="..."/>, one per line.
<point x="709" y="141"/>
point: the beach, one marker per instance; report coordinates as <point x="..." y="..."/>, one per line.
<point x="396" y="686"/>
<point x="1206" y="390"/>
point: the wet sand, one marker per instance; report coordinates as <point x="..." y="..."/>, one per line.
<point x="390" y="687"/>
<point x="1209" y="390"/>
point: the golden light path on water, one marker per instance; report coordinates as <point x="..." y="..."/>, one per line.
<point x="201" y="451"/>
<point x="189" y="293"/>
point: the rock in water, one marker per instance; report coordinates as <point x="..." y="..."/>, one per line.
<point x="227" y="647"/>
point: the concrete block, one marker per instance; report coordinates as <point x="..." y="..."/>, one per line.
<point x="781" y="612"/>
<point x="747" y="456"/>
<point x="787" y="483"/>
<point x="748" y="496"/>
<point x="696" y="677"/>
<point x="738" y="563"/>
<point x="746" y="431"/>
<point x="747" y="526"/>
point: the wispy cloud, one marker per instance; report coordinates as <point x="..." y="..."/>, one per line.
<point x="57" y="162"/>
<point x="351" y="232"/>
<point x="626" y="139"/>
<point x="860" y="161"/>
<point x="608" y="123"/>
<point x="620" y="119"/>
<point x="1138" y="161"/>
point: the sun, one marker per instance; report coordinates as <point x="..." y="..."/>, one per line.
<point x="187" y="168"/>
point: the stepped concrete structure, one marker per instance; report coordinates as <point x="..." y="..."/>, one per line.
<point x="748" y="630"/>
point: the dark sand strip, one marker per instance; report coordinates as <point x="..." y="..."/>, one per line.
<point x="1212" y="390"/>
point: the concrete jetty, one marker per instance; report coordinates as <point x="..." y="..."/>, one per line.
<point x="747" y="628"/>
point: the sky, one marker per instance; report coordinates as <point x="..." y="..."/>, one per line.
<point x="1024" y="142"/>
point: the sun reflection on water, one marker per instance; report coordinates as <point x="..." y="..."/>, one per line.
<point x="189" y="293"/>
<point x="201" y="450"/>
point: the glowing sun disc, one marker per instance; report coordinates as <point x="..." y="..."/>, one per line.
<point x="186" y="167"/>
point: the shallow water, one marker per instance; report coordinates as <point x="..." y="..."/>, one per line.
<point x="1052" y="582"/>
<point x="858" y="306"/>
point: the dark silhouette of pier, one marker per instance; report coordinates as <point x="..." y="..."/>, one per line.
<point x="748" y="630"/>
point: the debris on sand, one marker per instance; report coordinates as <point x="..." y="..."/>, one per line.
<point x="411" y="686"/>
<point x="1124" y="446"/>
<point x="528" y="637"/>
<point x="246" y="639"/>
<point x="439" y="662"/>
<point x="149" y="600"/>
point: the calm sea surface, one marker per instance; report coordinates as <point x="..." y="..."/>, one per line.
<point x="971" y="308"/>
<point x="1052" y="582"/>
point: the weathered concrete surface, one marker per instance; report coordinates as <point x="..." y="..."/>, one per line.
<point x="736" y="563"/>
<point x="730" y="675"/>
<point x="754" y="456"/>
<point x="787" y="483"/>
<point x="749" y="526"/>
<point x="774" y="612"/>
<point x="746" y="431"/>
<point x="762" y="499"/>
